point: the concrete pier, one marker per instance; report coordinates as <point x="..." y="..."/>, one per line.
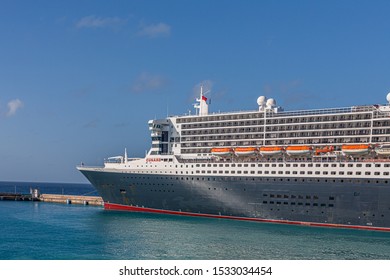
<point x="72" y="199"/>
<point x="17" y="197"/>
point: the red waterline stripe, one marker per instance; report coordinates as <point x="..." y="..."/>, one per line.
<point x="120" y="207"/>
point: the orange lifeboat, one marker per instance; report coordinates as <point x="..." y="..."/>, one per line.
<point x="271" y="150"/>
<point x="324" y="150"/>
<point x="298" y="150"/>
<point x="245" y="151"/>
<point x="359" y="149"/>
<point x="222" y="151"/>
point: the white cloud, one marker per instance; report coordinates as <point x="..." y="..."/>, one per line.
<point x="155" y="30"/>
<point x="13" y="106"/>
<point x="91" y="124"/>
<point x="96" y="22"/>
<point x="146" y="82"/>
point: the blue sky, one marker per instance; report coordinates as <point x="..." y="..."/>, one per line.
<point x="80" y="79"/>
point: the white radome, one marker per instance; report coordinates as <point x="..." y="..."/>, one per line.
<point x="388" y="97"/>
<point x="271" y="102"/>
<point x="261" y="100"/>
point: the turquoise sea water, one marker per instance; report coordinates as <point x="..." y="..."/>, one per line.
<point x="36" y="230"/>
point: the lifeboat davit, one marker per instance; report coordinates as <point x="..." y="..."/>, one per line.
<point x="359" y="149"/>
<point x="271" y="150"/>
<point x="245" y="151"/>
<point x="383" y="150"/>
<point x="298" y="150"/>
<point x="324" y="150"/>
<point x="222" y="152"/>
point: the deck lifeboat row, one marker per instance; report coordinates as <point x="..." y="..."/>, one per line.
<point x="264" y="151"/>
<point x="359" y="149"/>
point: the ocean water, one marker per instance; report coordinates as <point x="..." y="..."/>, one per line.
<point x="50" y="231"/>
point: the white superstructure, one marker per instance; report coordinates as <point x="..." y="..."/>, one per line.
<point x="333" y="143"/>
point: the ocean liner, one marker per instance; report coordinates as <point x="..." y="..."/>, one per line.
<point x="321" y="167"/>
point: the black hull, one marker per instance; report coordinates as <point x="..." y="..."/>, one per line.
<point x="350" y="202"/>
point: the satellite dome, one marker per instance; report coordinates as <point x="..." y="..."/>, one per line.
<point x="261" y="100"/>
<point x="388" y="97"/>
<point x="271" y="102"/>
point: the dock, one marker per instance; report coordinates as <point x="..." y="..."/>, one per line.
<point x="35" y="195"/>
<point x="71" y="199"/>
<point x="17" y="197"/>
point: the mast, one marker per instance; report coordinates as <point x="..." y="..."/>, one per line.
<point x="202" y="105"/>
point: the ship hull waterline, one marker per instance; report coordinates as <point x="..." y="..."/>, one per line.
<point x="318" y="203"/>
<point x="127" y="208"/>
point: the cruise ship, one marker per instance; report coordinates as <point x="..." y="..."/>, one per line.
<point x="320" y="167"/>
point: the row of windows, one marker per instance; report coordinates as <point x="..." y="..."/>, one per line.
<point x="293" y="196"/>
<point x="377" y="165"/>
<point x="258" y="118"/>
<point x="287" y="165"/>
<point x="310" y="180"/>
<point x="298" y="203"/>
<point x="289" y="131"/>
<point x="281" y="172"/>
